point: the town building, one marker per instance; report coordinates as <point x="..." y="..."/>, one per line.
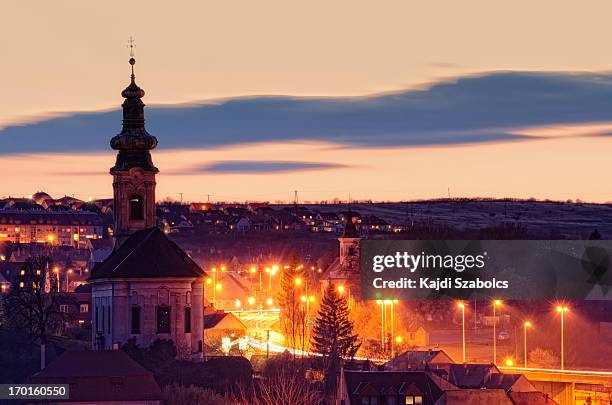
<point x="47" y="226"/>
<point x="148" y="288"/>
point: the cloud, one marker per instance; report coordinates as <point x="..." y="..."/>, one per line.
<point x="487" y="108"/>
<point x="255" y="167"/>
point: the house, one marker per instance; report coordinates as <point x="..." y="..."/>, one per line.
<point x="474" y="397"/>
<point x="219" y="325"/>
<point x="78" y="307"/>
<point x="101" y="377"/>
<point x="493" y="396"/>
<point x="418" y="359"/>
<point x="531" y="398"/>
<point x="390" y="388"/>
<point x="416" y="335"/>
<point x="233" y="288"/>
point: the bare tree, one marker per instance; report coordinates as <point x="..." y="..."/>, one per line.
<point x="34" y="305"/>
<point x="283" y="387"/>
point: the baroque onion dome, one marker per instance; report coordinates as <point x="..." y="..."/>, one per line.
<point x="134" y="142"/>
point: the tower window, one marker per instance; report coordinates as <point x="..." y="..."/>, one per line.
<point x="136" y="208"/>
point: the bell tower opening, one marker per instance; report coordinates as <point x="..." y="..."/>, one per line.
<point x="136" y="208"/>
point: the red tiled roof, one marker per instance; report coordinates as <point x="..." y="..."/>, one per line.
<point x="100" y="376"/>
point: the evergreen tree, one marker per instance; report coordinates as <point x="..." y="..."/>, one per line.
<point x="332" y="334"/>
<point x="289" y="302"/>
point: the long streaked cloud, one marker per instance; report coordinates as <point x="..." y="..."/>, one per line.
<point x="487" y="108"/>
<point x="255" y="167"/>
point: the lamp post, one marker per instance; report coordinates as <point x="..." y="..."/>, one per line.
<point x="496" y="303"/>
<point x="562" y="310"/>
<point x="56" y="271"/>
<point x="461" y="306"/>
<point x="382" y="324"/>
<point x="68" y="272"/>
<point x="391" y="303"/>
<point x="526" y="325"/>
<point x="214" y="270"/>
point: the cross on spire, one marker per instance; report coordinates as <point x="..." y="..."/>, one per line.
<point x="131" y="46"/>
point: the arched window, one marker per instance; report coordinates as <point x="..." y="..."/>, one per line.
<point x="136" y="208"/>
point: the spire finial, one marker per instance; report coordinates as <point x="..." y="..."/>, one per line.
<point x="132" y="60"/>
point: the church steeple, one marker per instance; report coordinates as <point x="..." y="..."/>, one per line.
<point x="134" y="142"/>
<point x="133" y="172"/>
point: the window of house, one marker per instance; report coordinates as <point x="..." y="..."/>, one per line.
<point x="64" y="308"/>
<point x="187" y="319"/>
<point x="414" y="400"/>
<point x="163" y="320"/>
<point x="84" y="308"/>
<point x="391" y="400"/>
<point x="136" y="208"/>
<point x="135" y="320"/>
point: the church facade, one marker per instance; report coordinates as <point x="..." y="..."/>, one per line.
<point x="148" y="288"/>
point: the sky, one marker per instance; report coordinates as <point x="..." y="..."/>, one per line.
<point x="381" y="100"/>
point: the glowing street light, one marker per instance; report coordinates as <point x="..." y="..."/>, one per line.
<point x="509" y="362"/>
<point x="461" y="306"/>
<point x="251" y="300"/>
<point x="526" y="325"/>
<point x="68" y="272"/>
<point x="57" y="277"/>
<point x="562" y="309"/>
<point x="270" y="301"/>
<point x="237" y="303"/>
<point x="496" y="303"/>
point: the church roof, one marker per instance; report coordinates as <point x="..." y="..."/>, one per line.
<point x="147" y="253"/>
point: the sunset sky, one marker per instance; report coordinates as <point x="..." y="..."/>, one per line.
<point x="541" y="131"/>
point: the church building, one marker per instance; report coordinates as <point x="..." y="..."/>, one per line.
<point x="344" y="272"/>
<point x="148" y="288"/>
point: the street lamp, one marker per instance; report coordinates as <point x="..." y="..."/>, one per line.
<point x="68" y="272"/>
<point x="562" y="309"/>
<point x="382" y="324"/>
<point x="496" y="303"/>
<point x="56" y="271"/>
<point x="526" y="325"/>
<point x="392" y="302"/>
<point x="509" y="362"/>
<point x="461" y="306"/>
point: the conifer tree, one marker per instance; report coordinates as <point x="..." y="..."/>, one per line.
<point x="333" y="335"/>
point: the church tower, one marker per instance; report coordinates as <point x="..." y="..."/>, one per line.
<point x="349" y="245"/>
<point x="133" y="173"/>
